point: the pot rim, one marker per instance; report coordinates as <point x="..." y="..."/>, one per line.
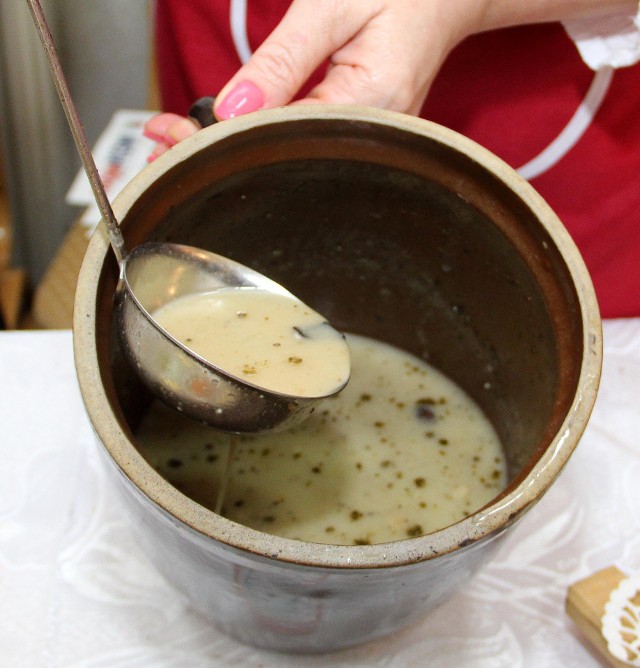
<point x="484" y="523"/>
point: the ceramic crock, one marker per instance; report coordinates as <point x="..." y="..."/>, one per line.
<point x="393" y="228"/>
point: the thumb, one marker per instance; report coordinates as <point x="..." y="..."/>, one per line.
<point x="308" y="34"/>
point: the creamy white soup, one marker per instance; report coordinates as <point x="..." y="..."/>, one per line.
<point x="400" y="452"/>
<point x="270" y="340"/>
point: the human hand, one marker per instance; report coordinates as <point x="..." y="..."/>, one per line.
<point x="376" y="52"/>
<point x="382" y="53"/>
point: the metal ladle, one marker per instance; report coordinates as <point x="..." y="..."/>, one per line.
<point x="154" y="273"/>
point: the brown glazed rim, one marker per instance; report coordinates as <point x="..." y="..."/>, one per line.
<point x="521" y="495"/>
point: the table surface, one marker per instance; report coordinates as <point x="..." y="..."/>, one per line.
<point x="77" y="591"/>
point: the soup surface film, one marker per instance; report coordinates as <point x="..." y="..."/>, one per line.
<point x="400" y="452"/>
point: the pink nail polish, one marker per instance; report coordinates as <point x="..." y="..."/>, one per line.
<point x="242" y="99"/>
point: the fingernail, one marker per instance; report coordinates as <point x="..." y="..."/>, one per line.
<point x="242" y="99"/>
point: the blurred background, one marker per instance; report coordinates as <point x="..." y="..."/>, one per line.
<point x="105" y="49"/>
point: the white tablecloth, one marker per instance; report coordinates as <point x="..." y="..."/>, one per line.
<point x="75" y="590"/>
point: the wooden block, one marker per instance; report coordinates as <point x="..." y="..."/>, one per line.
<point x="585" y="605"/>
<point x="5" y="230"/>
<point x="12" y="293"/>
<point x="53" y="298"/>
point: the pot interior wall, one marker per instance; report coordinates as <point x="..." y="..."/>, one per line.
<point x="388" y="235"/>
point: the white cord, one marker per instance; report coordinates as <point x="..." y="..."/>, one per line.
<point x="238" y="22"/>
<point x="575" y="128"/>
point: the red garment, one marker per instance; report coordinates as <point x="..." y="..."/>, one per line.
<point x="513" y="91"/>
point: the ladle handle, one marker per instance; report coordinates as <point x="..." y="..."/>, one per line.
<point x="77" y="130"/>
<point x="201" y="111"/>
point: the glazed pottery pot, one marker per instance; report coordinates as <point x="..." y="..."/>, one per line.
<point x="393" y="228"/>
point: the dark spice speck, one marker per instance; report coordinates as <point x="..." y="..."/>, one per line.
<point x="424" y="412"/>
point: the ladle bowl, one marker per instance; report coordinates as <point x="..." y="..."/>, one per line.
<point x="156" y="273"/>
